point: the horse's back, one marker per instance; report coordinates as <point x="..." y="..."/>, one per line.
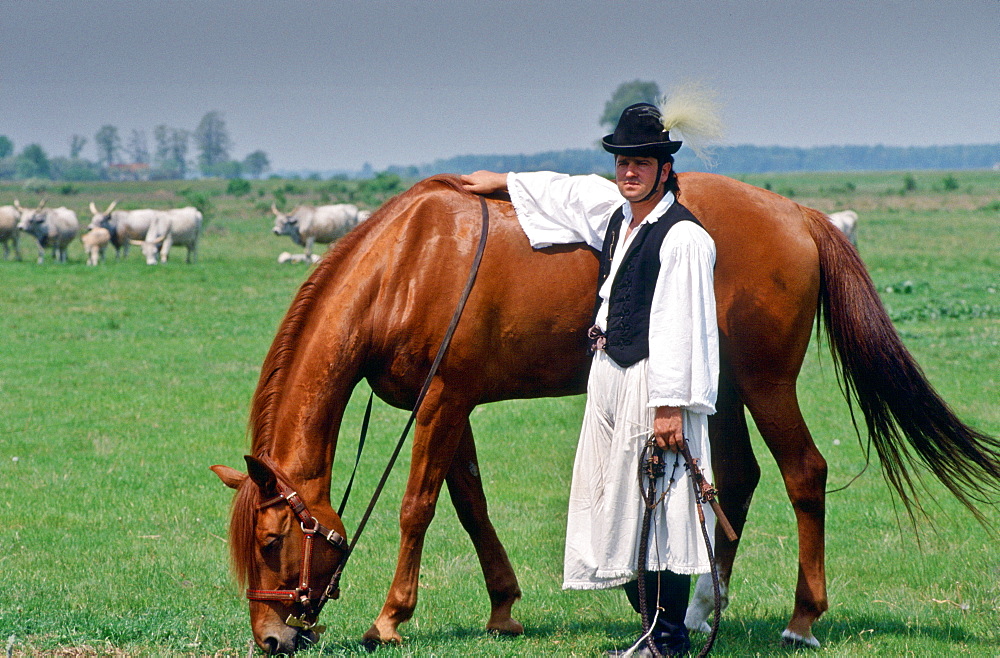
<point x="523" y="330"/>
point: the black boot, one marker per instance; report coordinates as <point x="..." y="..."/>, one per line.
<point x="667" y="592"/>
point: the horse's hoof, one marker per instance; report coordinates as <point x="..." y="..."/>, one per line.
<point x="509" y="627"/>
<point x="703" y="627"/>
<point x="793" y="639"/>
<point x="373" y="639"/>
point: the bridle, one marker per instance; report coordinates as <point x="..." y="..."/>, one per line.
<point x="302" y="596"/>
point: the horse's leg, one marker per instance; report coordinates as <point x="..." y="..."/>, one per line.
<point x="736" y="475"/>
<point x="439" y="428"/>
<point x="466" y="489"/>
<point x="775" y="410"/>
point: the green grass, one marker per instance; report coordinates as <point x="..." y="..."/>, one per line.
<point x="121" y="384"/>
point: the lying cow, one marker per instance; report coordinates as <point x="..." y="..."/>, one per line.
<point x="847" y="222"/>
<point x="9" y="217"/>
<point x="55" y="227"/>
<point x="94" y="242"/>
<point x="307" y="225"/>
<point x="176" y="227"/>
<point x="123" y="225"/>
<point x="285" y="257"/>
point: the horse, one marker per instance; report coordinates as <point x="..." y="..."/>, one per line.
<point x="377" y="307"/>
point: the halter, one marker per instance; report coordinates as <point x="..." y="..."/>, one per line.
<point x="302" y="596"/>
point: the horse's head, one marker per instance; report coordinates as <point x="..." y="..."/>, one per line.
<point x="288" y="552"/>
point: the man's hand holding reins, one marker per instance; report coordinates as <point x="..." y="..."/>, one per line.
<point x="668" y="428"/>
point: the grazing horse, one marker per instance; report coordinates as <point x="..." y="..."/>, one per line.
<point x="377" y="308"/>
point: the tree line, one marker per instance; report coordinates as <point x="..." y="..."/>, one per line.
<point x="733" y="160"/>
<point x="129" y="157"/>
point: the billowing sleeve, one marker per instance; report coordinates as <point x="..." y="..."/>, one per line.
<point x="559" y="209"/>
<point x="683" y="330"/>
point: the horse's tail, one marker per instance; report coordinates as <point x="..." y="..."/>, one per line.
<point x="907" y="420"/>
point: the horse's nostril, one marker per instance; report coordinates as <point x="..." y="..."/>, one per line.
<point x="271" y="645"/>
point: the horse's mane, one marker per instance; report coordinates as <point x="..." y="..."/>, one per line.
<point x="275" y="368"/>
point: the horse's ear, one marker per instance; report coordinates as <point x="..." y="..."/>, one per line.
<point x="261" y="473"/>
<point x="229" y="476"/>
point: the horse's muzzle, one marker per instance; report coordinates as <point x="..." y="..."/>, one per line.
<point x="287" y="641"/>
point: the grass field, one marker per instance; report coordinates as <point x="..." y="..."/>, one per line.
<point x="121" y="384"/>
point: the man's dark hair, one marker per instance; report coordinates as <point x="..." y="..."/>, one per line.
<point x="671" y="184"/>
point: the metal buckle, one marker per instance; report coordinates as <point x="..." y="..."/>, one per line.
<point x="300" y="622"/>
<point x="336" y="539"/>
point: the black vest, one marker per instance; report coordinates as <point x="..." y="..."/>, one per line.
<point x="632" y="290"/>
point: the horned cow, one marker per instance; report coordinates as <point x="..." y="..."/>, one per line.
<point x="52" y="227"/>
<point x="307" y="225"/>
<point x="178" y="226"/>
<point x="124" y="226"/>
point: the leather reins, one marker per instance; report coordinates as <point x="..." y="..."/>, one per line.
<point x="311" y="527"/>
<point x="651" y="466"/>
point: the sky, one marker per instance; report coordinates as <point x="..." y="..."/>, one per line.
<point x="333" y="85"/>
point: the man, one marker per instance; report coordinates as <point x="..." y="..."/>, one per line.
<point x="655" y="367"/>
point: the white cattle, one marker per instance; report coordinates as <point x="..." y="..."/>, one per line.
<point x="176" y="227"/>
<point x="55" y="227"/>
<point x="285" y="257"/>
<point x="9" y="217"/>
<point x="847" y="222"/>
<point x="307" y="225"/>
<point x="94" y="242"/>
<point x="124" y="225"/>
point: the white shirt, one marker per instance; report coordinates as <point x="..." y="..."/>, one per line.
<point x="683" y="366"/>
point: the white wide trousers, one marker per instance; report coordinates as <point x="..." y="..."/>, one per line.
<point x="605" y="505"/>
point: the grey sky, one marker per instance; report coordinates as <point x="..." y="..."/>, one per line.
<point x="332" y="85"/>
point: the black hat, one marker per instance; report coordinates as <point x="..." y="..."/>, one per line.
<point x="640" y="132"/>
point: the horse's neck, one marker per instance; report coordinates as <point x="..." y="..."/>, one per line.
<point x="316" y="360"/>
<point x="308" y="411"/>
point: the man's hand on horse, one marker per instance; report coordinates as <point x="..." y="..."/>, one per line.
<point x="668" y="428"/>
<point x="484" y="182"/>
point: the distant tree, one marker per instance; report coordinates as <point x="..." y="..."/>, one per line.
<point x="137" y="148"/>
<point x="162" y="138"/>
<point x="6" y="146"/>
<point x="256" y="164"/>
<point x="212" y="141"/>
<point x="170" y="154"/>
<point x="33" y="163"/>
<point x="628" y="93"/>
<point x="108" y="144"/>
<point x="76" y="145"/>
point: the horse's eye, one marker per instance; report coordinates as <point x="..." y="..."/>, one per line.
<point x="271" y="544"/>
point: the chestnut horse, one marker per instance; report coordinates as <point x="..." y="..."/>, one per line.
<point x="378" y="305"/>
